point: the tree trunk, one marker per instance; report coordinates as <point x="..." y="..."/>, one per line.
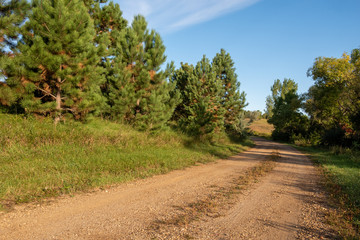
<point x="58" y="107"/>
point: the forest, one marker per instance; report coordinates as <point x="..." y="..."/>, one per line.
<point x="80" y="59"/>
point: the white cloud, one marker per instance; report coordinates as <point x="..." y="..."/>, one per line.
<point x="172" y="15"/>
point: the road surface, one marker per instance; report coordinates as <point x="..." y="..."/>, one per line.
<point x="285" y="203"/>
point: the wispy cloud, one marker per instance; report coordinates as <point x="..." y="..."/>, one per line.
<point x="172" y="15"/>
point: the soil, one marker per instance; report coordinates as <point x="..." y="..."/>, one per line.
<point x="285" y="203"/>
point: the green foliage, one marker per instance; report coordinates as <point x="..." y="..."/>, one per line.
<point x="333" y="101"/>
<point x="110" y="29"/>
<point x="210" y="98"/>
<point x="286" y="117"/>
<point x="139" y="92"/>
<point x="278" y="90"/>
<point x="201" y="113"/>
<point x="63" y="77"/>
<point x="232" y="100"/>
<point x="89" y="61"/>
<point x="332" y="104"/>
<point x="12" y="15"/>
<point x="68" y="59"/>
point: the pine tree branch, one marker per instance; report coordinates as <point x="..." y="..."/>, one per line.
<point x="46" y="34"/>
<point x="68" y="4"/>
<point x="45" y="25"/>
<point x="80" y="23"/>
<point x="48" y="93"/>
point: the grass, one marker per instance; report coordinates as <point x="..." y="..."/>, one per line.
<point x="341" y="171"/>
<point x="261" y="128"/>
<point x="39" y="160"/>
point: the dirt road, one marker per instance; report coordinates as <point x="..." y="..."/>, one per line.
<point x="286" y="203"/>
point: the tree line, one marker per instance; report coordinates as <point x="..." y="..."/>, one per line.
<point x="329" y="113"/>
<point x="79" y="58"/>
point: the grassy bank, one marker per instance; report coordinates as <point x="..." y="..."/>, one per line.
<point x="38" y="160"/>
<point x="341" y="169"/>
<point x="260" y="128"/>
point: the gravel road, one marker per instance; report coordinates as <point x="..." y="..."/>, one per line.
<point x="286" y="203"/>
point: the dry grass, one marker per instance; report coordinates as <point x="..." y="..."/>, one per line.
<point x="261" y="128"/>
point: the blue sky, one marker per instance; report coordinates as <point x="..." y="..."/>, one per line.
<point x="267" y="39"/>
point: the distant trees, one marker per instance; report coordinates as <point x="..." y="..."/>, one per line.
<point x="279" y="89"/>
<point x="284" y="110"/>
<point x="254" y="115"/>
<point x="332" y="104"/>
<point x="75" y="58"/>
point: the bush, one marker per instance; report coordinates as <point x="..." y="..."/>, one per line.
<point x="280" y="135"/>
<point x="315" y="138"/>
<point x="337" y="136"/>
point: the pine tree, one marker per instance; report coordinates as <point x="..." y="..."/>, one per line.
<point x="232" y="100"/>
<point x="139" y="92"/>
<point x="181" y="78"/>
<point x="110" y="29"/>
<point x="200" y="113"/>
<point x="12" y="14"/>
<point x="59" y="60"/>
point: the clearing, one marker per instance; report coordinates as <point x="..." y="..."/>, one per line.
<point x="202" y="202"/>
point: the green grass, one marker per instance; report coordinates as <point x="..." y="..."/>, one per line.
<point x="341" y="169"/>
<point x="39" y="160"/>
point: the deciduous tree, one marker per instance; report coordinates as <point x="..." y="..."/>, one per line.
<point x="279" y="89"/>
<point x="334" y="100"/>
<point x="287" y="118"/>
